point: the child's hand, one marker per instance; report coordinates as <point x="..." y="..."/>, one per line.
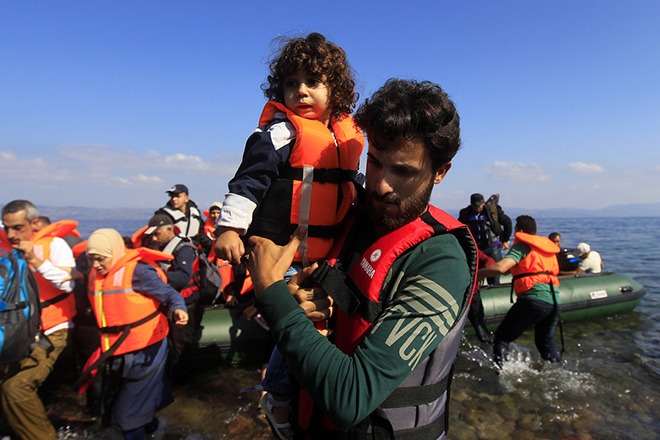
<point x="229" y="246"/>
<point x="180" y="317"/>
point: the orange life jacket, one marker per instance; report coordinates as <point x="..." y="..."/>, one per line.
<point x="138" y="237"/>
<point x="118" y="307"/>
<point x="232" y="274"/>
<point x="57" y="306"/>
<point x="359" y="306"/>
<point x="209" y="226"/>
<point x="5" y="245"/>
<point x="534" y="267"/>
<point x="318" y="180"/>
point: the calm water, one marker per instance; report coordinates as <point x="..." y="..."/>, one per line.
<point x="608" y="386"/>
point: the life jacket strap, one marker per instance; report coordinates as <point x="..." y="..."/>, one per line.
<point x="58" y="298"/>
<point x="345" y="292"/>
<point x="122" y="328"/>
<point x="523" y="275"/>
<point x="321" y="175"/>
<point x="417" y="395"/>
<point x="125" y="330"/>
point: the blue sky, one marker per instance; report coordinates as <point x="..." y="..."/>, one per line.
<point x="109" y="103"/>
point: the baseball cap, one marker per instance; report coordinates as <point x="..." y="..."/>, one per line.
<point x="178" y="189"/>
<point x="476" y="199"/>
<point x="156" y="222"/>
<point x="583" y="248"/>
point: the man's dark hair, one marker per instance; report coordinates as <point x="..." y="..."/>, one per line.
<point x="525" y="223"/>
<point x="553" y="235"/>
<point x="408" y="109"/>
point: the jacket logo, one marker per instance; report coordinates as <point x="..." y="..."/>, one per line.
<point x="364" y="264"/>
<point x="375" y="255"/>
<point x="417" y="332"/>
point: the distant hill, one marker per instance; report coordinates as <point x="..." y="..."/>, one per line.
<point x="632" y="210"/>
<point x="81" y="213"/>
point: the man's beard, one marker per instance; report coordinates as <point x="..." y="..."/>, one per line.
<point x="412" y="208"/>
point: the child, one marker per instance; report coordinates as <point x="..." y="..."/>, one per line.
<point x="299" y="167"/>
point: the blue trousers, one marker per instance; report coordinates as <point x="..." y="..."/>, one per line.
<point x="524" y="314"/>
<point x="277" y="380"/>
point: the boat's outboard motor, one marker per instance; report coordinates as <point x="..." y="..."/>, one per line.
<point x="568" y="259"/>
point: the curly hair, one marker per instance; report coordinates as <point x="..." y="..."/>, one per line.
<point x="316" y="56"/>
<point x="408" y="109"/>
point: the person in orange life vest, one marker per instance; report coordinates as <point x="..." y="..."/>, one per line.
<point x="51" y="261"/>
<point x="415" y="266"/>
<point x="533" y="263"/>
<point x="300" y="165"/>
<point x="182" y="274"/>
<point x="305" y="131"/>
<point x="129" y="295"/>
<point x="212" y="216"/>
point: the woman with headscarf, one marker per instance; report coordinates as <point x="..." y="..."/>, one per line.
<point x="130" y="298"/>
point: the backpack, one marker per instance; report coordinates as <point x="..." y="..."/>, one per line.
<point x="210" y="281"/>
<point x="493" y="211"/>
<point x="20" y="309"/>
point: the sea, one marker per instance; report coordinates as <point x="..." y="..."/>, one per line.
<point x="606" y="387"/>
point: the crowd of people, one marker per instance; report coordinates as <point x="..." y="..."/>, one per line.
<point x="349" y="271"/>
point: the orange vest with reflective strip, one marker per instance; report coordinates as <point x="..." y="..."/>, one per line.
<point x="116" y="304"/>
<point x="541" y="258"/>
<point x="315" y="154"/>
<point x="64" y="309"/>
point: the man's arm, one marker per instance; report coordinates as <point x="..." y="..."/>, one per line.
<point x="499" y="268"/>
<point x="56" y="267"/>
<point x="349" y="387"/>
<point x="265" y="152"/>
<point x="182" y="267"/>
<point x="147" y="282"/>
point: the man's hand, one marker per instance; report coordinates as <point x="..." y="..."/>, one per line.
<point x="269" y="262"/>
<point x="28" y="249"/>
<point x="229" y="246"/>
<point x="505" y="245"/>
<point x="180" y="317"/>
<point x="315" y="301"/>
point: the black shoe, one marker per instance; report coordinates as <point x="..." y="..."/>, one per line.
<point x="483" y="334"/>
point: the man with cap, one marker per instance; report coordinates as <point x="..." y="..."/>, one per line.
<point x="591" y="262"/>
<point x="183" y="275"/>
<point x="490" y="227"/>
<point x="184" y="213"/>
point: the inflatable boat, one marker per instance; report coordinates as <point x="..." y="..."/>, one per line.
<point x="583" y="297"/>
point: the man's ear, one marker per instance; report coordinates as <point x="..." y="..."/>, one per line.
<point x="34" y="224"/>
<point x="441" y="173"/>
